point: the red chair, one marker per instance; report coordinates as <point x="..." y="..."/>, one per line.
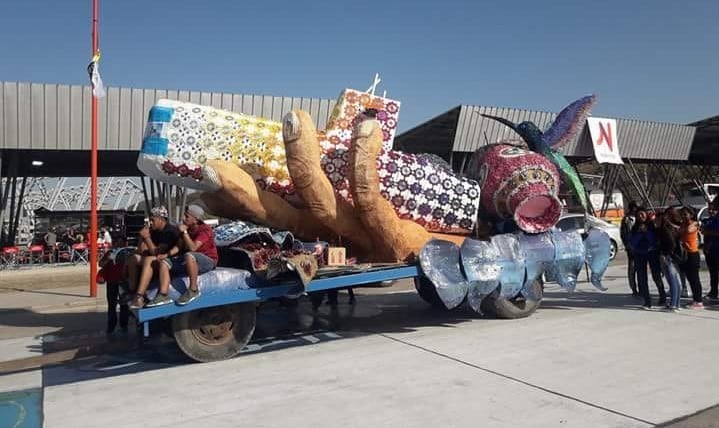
<point x="36" y="254"/>
<point x="80" y="253"/>
<point x="63" y="253"/>
<point x="9" y="257"/>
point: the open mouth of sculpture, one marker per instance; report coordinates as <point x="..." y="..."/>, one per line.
<point x="535" y="214"/>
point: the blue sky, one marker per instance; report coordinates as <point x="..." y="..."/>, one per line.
<point x="645" y="59"/>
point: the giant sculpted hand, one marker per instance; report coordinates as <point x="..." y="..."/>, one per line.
<point x="344" y="182"/>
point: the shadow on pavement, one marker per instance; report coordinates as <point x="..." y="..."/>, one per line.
<point x="43" y="291"/>
<point x="280" y="327"/>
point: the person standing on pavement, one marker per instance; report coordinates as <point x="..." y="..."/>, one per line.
<point x="668" y="242"/>
<point x="625" y="232"/>
<point x="643" y="244"/>
<point x="114" y="271"/>
<point x="710" y="230"/>
<point x="655" y="265"/>
<point x="690" y="241"/>
<point x="105" y="236"/>
<point x="50" y="239"/>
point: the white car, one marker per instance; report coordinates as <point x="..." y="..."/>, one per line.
<point x="576" y="222"/>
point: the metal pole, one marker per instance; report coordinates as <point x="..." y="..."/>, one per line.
<point x="144" y="192"/>
<point x="2" y="205"/>
<point x="464" y="162"/>
<point x="638" y="184"/>
<point x="18" y="209"/>
<point x="105" y="192"/>
<point x="184" y="202"/>
<point x="152" y="194"/>
<point x="121" y="195"/>
<point x="93" y="168"/>
<point x="11" y="235"/>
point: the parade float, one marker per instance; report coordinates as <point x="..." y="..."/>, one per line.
<point x="389" y="214"/>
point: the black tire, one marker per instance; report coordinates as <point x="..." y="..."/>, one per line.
<point x="428" y="293"/>
<point x="519" y="307"/>
<point x="612" y="250"/>
<point x="216" y="333"/>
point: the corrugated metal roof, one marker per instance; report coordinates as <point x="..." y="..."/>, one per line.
<point x="637" y="139"/>
<point x="46" y="116"/>
<point x="705" y="149"/>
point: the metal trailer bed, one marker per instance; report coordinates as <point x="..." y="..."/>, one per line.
<point x="219" y="324"/>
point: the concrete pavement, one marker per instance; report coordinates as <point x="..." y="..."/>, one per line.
<point x="587" y="359"/>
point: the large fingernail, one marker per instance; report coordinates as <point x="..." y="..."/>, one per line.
<point x="290" y="127"/>
<point x="365" y="128"/>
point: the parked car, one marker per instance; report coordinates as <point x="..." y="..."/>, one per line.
<point x="576" y="222"/>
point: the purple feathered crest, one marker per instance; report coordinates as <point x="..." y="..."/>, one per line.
<point x="569" y="121"/>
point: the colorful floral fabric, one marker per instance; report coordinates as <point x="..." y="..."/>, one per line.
<point x="419" y="188"/>
<point x="198" y="133"/>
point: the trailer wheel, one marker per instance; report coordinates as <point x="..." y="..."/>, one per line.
<point x="518" y="307"/>
<point x="428" y="293"/>
<point x="216" y="333"/>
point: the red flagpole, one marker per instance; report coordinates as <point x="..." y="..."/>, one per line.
<point x="93" y="169"/>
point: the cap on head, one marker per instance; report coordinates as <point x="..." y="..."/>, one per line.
<point x="159" y="212"/>
<point x="196" y="211"/>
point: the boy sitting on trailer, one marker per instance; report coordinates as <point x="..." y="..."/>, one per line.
<point x="194" y="254"/>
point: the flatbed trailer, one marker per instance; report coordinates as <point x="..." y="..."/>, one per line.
<point x="219" y="324"/>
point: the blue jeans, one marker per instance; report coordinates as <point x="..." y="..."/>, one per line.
<point x="671" y="273"/>
<point x="178" y="264"/>
<point x="640" y="263"/>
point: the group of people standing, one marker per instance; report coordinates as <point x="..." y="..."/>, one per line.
<point x="667" y="245"/>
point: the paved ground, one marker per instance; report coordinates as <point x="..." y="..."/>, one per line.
<point x="586" y="359"/>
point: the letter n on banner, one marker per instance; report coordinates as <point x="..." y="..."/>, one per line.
<point x="604" y="140"/>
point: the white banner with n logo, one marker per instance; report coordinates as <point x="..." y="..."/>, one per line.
<point x="604" y="139"/>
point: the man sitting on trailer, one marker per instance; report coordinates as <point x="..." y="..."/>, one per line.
<point x="155" y="240"/>
<point x="194" y="254"/>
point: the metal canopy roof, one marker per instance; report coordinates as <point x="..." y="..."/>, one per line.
<point x="45" y="116"/>
<point x="637" y="139"/>
<point x="705" y="149"/>
<point x="51" y="123"/>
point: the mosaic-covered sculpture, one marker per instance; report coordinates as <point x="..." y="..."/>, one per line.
<point x="346" y="184"/>
<point x="566" y="125"/>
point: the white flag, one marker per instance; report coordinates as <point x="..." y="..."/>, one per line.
<point x="93" y="69"/>
<point x="98" y="90"/>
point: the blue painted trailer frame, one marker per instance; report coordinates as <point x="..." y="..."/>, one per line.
<point x="266" y="292"/>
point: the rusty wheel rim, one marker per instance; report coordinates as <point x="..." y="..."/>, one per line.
<point x="213" y="327"/>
